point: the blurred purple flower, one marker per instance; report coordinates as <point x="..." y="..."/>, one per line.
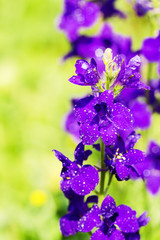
<point x="152" y="168"/>
<point x="76" y="15"/>
<point x="94" y="46"/>
<point x="151" y="48"/>
<point x="142" y="7"/>
<point x="108" y="9"/>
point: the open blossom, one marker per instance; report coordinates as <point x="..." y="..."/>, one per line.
<point x="129" y="75"/>
<point x="87" y="74"/>
<point x="75" y="177"/>
<point x="122" y="216"/>
<point x="122" y="159"/>
<point x="101" y="117"/>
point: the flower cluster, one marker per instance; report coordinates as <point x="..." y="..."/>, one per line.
<point x="107" y="125"/>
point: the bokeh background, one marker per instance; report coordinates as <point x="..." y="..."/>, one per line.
<point x="34" y="98"/>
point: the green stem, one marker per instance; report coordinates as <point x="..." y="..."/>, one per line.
<point x="149" y="73"/>
<point x="102" y="177"/>
<point x="109" y="182"/>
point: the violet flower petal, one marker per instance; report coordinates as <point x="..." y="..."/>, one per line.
<point x="84" y="109"/>
<point x="116" y="235"/>
<point x="108" y="207"/>
<point x="98" y="235"/>
<point x="85" y="181"/>
<point x="126" y="219"/>
<point x="107" y="97"/>
<point x="68" y="227"/>
<point x="121" y="170"/>
<point x="108" y="134"/>
<point x="90" y="220"/>
<point x="133" y="156"/>
<point x="89" y="133"/>
<point x="121" y="117"/>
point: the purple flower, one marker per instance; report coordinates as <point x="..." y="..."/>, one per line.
<point x="80" y="180"/>
<point x="78" y="14"/>
<point x="129" y="75"/>
<point x="142" y="7"/>
<point x="122" y="160"/>
<point x="100" y="117"/>
<point x="87" y="74"/>
<point x="151" y="48"/>
<point x="122" y="216"/>
<point x="151" y="170"/>
<point x="69" y="223"/>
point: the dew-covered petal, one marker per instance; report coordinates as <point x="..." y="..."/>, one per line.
<point x="79" y="153"/>
<point x="98" y="235"/>
<point x="89" y="133"/>
<point x="134" y="62"/>
<point x="86" y="73"/>
<point x="107" y="97"/>
<point x="108" y="207"/>
<point x="133" y="156"/>
<point x="132" y="140"/>
<point x="65" y="186"/>
<point x="85" y="181"/>
<point x="121" y="170"/>
<point x="116" y="235"/>
<point x="108" y="134"/>
<point x="65" y="161"/>
<point x="136" y="83"/>
<point x="90" y="220"/>
<point x="84" y="109"/>
<point x="126" y="220"/>
<point x="69" y="168"/>
<point x="81" y="66"/>
<point x="121" y="117"/>
<point x="67" y="226"/>
<point x="79" y="80"/>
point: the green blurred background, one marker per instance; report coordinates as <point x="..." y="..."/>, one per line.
<point x="34" y="97"/>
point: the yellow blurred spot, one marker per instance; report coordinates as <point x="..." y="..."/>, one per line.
<point x="38" y="198"/>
